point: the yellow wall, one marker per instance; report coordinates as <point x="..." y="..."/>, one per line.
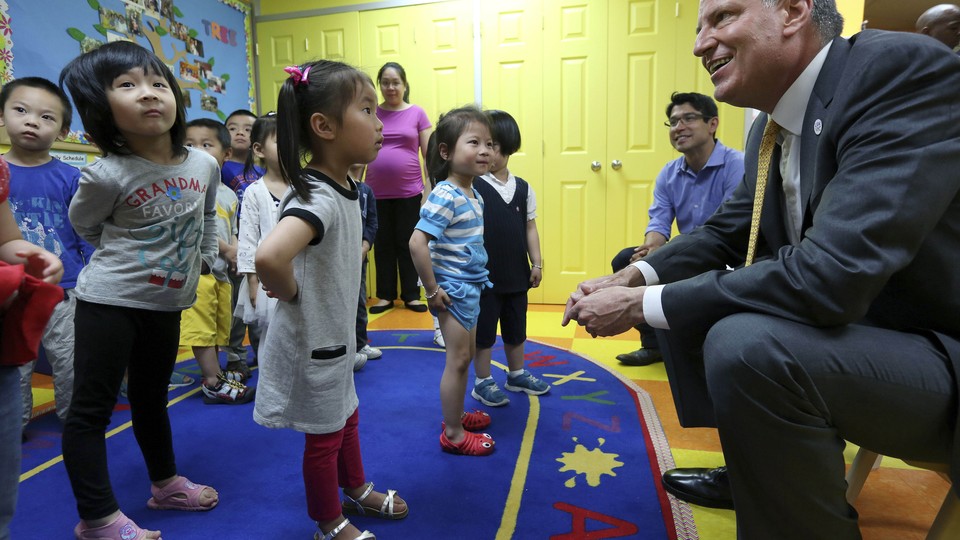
<point x="852" y="11"/>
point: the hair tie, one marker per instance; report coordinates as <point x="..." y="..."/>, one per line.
<point x="299" y="76"/>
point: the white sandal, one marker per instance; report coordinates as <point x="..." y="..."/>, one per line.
<point x="355" y="506"/>
<point x="365" y="535"/>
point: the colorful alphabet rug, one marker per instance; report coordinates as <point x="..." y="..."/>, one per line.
<point x="580" y="462"/>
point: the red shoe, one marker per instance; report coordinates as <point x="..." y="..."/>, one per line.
<point x="473" y="444"/>
<point x="475" y="421"/>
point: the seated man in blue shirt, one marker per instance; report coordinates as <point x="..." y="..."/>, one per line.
<point x="688" y="189"/>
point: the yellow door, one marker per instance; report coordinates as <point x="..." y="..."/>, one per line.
<point x="640" y="80"/>
<point x="511" y="69"/>
<point x="288" y="42"/>
<point x="605" y="96"/>
<point x="388" y="37"/>
<point x="444" y="55"/>
<point x="432" y="42"/>
<point x="574" y="136"/>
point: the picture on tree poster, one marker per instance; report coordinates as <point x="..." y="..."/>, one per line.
<point x="205" y="43"/>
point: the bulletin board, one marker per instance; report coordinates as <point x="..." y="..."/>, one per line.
<point x="205" y="43"/>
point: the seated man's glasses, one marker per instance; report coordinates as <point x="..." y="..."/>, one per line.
<point x="685" y="119"/>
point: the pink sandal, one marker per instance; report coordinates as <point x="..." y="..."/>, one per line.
<point x="181" y="494"/>
<point x="122" y="528"/>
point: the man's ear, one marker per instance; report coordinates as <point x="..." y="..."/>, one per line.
<point x="442" y="148"/>
<point x="797" y="15"/>
<point x="713" y="124"/>
<point x="321" y="126"/>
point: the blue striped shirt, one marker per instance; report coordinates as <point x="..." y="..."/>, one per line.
<point x="455" y="222"/>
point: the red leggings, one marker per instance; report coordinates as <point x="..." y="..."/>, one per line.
<point x="331" y="461"/>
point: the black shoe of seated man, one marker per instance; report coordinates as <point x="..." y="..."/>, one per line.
<point x="703" y="487"/>
<point x="640" y="357"/>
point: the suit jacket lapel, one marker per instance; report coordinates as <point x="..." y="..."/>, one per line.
<point x="816" y="111"/>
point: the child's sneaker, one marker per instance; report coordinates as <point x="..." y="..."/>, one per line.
<point x="359" y="360"/>
<point x="238" y="370"/>
<point x="438" y="339"/>
<point x="526" y="382"/>
<point x="488" y="393"/>
<point x="227" y="392"/>
<point x="372" y="353"/>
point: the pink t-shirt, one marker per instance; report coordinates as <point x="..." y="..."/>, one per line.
<point x="396" y="174"/>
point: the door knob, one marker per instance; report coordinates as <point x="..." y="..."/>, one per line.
<point x="616" y="164"/>
<point x="595" y="165"/>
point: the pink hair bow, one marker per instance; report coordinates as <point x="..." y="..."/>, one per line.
<point x="299" y="76"/>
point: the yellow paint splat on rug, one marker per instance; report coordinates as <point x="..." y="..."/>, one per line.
<point x="591" y="463"/>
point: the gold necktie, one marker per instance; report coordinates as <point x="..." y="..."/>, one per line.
<point x="769" y="140"/>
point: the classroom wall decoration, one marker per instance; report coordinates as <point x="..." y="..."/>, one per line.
<point x="205" y="43"/>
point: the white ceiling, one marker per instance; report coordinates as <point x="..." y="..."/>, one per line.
<point x="896" y="14"/>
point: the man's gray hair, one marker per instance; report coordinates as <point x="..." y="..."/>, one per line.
<point x="826" y="18"/>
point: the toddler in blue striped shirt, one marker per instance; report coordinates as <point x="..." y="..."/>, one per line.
<point x="447" y="249"/>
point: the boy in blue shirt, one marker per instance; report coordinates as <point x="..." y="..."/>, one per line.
<point x="36" y="113"/>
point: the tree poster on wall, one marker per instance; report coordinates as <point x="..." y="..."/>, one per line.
<point x="205" y="43"/>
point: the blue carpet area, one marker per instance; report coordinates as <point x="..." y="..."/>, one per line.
<point x="572" y="464"/>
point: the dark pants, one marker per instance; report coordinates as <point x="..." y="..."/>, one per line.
<point x="110" y="340"/>
<point x="238" y="329"/>
<point x="648" y="339"/>
<point x="786" y="396"/>
<point x="397" y="219"/>
<point x="362" y="309"/>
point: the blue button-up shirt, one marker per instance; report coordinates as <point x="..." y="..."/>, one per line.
<point x="690" y="197"/>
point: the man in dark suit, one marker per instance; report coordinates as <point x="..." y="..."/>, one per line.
<point x="847" y="324"/>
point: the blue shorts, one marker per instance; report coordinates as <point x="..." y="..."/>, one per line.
<point x="465" y="301"/>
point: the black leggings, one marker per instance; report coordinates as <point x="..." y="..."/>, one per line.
<point x="109" y="340"/>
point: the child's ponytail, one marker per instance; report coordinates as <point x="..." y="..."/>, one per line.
<point x="288" y="138"/>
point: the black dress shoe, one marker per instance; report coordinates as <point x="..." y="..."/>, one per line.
<point x="380" y="309"/>
<point x="703" y="487"/>
<point x="418" y="308"/>
<point x="641" y="357"/>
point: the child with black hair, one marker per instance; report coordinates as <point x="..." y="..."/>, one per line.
<point x="35" y="113"/>
<point x="238" y="176"/>
<point x="513" y="247"/>
<point x="205" y="326"/>
<point x="310" y="262"/>
<point x="258" y="216"/>
<point x="447" y="249"/>
<point x="149" y="207"/>
<point x="234" y="172"/>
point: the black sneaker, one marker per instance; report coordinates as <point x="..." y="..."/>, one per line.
<point x="227" y="392"/>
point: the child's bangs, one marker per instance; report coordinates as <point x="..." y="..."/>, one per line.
<point x="119" y="61"/>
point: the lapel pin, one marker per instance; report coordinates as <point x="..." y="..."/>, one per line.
<point x="817" y="126"/>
